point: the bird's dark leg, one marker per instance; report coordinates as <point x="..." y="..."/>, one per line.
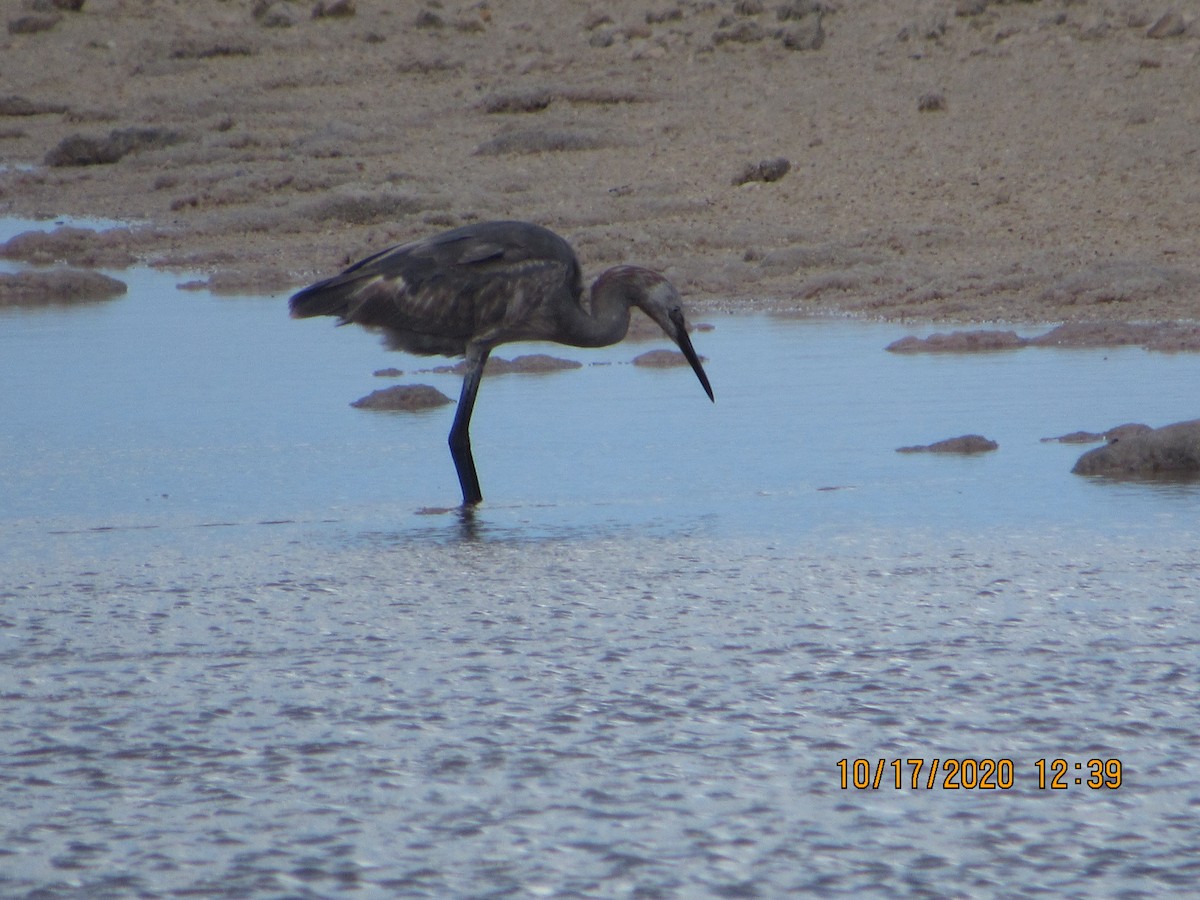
<point x="460" y="434"/>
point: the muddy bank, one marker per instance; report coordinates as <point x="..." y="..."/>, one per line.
<point x="1164" y="337"/>
<point x="971" y="161"/>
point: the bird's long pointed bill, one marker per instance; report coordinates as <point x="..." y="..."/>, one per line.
<point x="689" y="352"/>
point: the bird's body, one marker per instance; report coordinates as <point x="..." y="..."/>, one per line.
<point x="464" y="292"/>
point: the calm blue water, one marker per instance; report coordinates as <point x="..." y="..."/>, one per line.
<point x="238" y="659"/>
<point x="174" y="409"/>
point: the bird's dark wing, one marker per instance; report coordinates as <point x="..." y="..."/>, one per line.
<point x="435" y="294"/>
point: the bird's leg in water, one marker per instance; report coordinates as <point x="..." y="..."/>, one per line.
<point x="460" y="433"/>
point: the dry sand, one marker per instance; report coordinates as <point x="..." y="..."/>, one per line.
<point x="1030" y="161"/>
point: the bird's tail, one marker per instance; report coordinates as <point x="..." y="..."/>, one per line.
<point x="331" y="297"/>
<point x="342" y="295"/>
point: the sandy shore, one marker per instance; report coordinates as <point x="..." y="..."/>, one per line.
<point x="971" y="161"/>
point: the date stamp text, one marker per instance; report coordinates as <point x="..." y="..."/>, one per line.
<point x="971" y="774"/>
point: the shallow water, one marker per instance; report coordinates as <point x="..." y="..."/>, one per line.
<point x="171" y="409"/>
<point x="599" y="717"/>
<point x="238" y="659"/>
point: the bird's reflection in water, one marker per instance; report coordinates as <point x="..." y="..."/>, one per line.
<point x="468" y="523"/>
<point x="466" y="527"/>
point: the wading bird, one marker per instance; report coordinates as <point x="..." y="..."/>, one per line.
<point x="465" y="291"/>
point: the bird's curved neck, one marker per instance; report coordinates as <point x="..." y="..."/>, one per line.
<point x="608" y="321"/>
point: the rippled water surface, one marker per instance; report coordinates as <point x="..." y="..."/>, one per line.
<point x="240" y="657"/>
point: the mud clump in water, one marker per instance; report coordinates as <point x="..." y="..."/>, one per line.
<point x="966" y="444"/>
<point x="403" y="398"/>
<point x="662" y="359"/>
<point x="1166" y="337"/>
<point x="1172" y="451"/>
<point x="59" y="287"/>
<point x="530" y="364"/>
<point x="77" y="246"/>
<point x="959" y="342"/>
<point x="1093" y="437"/>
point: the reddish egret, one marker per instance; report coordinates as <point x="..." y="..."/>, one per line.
<point x="465" y="291"/>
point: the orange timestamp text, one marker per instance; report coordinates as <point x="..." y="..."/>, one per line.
<point x="972" y="774"/>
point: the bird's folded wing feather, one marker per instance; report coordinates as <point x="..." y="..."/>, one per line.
<point x="435" y="294"/>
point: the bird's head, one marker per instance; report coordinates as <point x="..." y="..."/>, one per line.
<point x="658" y="298"/>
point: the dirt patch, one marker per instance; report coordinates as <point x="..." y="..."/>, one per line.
<point x="1051" y="178"/>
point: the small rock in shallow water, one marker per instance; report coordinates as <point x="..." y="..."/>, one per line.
<point x="1075" y="437"/>
<point x="1168" y="337"/>
<point x="959" y="342"/>
<point x="403" y="398"/>
<point x="529" y="364"/>
<point x="1172" y="451"/>
<point x="61" y="286"/>
<point x="1093" y="437"/>
<point x="250" y="281"/>
<point x="77" y="246"/>
<point x="661" y="359"/>
<point x="967" y="443"/>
